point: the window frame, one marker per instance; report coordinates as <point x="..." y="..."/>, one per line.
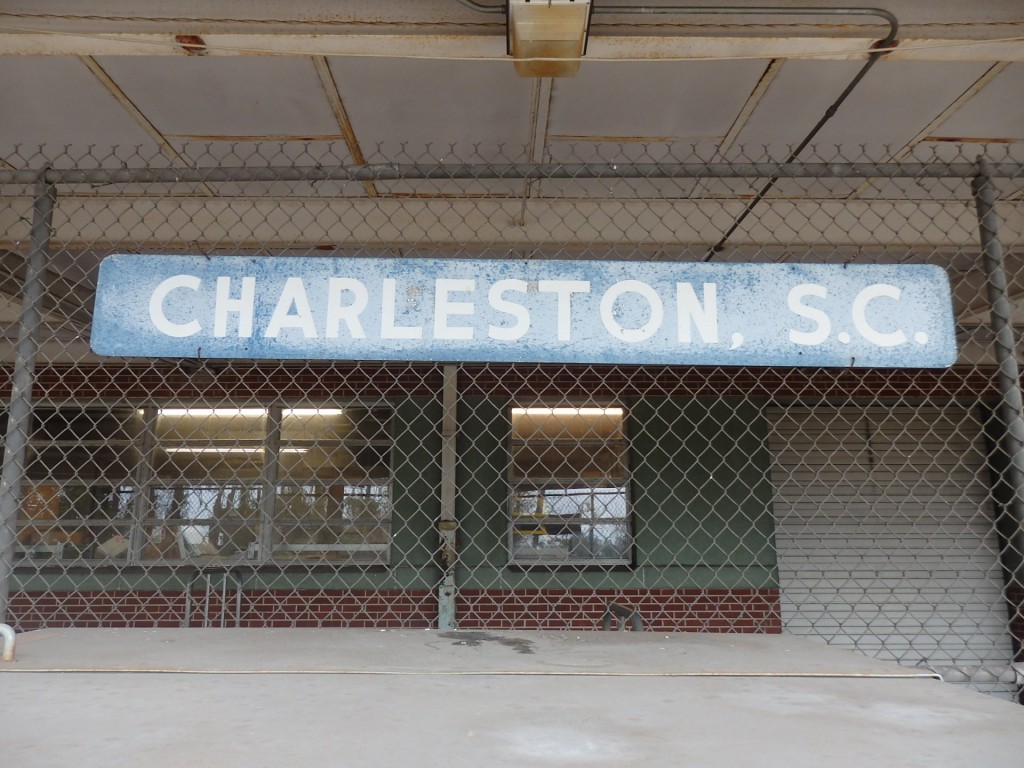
<point x="624" y="522"/>
<point x="145" y="479"/>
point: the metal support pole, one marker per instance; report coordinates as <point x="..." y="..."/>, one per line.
<point x="268" y="499"/>
<point x="20" y="412"/>
<point x="447" y="524"/>
<point x="1011" y="408"/>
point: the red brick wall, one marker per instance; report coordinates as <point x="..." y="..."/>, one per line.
<point x="260" y="608"/>
<point x="272" y="382"/>
<point x="662" y="610"/>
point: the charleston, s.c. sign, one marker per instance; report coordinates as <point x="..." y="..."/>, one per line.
<point x="862" y="315"/>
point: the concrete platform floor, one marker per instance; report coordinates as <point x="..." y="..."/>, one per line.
<point x="233" y="697"/>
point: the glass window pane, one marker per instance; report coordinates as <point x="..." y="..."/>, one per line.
<point x="200" y="521"/>
<point x="357" y="423"/>
<point x="334" y="497"/>
<point x="335" y="522"/>
<point x="355" y="464"/>
<point x="210" y="443"/>
<point x="569" y="476"/>
<point x="206" y="426"/>
<point x="569" y="542"/>
<point x="74" y="522"/>
<point x="78" y="499"/>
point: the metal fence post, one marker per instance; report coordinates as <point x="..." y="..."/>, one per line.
<point x="1011" y="408"/>
<point x="20" y="412"/>
<point x="448" y="525"/>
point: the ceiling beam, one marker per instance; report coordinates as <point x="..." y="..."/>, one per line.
<point x="540" y="113"/>
<point x="750" y="105"/>
<point x="330" y="86"/>
<point x="975" y="88"/>
<point x="129" y="106"/>
<point x="136" y="114"/>
<point x="664" y="46"/>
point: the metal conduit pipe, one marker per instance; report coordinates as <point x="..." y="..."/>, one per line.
<point x="712" y="10"/>
<point x="419" y="171"/>
<point x="483" y="8"/>
<point x="882" y="47"/>
<point x="7" y="633"/>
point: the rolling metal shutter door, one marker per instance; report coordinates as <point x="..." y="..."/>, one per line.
<point x="885" y="538"/>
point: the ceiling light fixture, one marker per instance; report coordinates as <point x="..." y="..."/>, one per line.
<point x="547" y="38"/>
<point x="224" y="450"/>
<point x="585" y="411"/>
<point x="219" y="412"/>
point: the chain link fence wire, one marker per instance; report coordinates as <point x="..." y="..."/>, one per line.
<point x="873" y="509"/>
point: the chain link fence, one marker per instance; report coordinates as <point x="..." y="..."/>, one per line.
<point x="877" y="509"/>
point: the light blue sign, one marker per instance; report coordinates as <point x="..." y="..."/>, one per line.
<point x="863" y="315"/>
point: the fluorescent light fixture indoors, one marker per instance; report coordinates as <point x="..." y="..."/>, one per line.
<point x="231" y="450"/>
<point x="567" y="411"/>
<point x="547" y="37"/>
<point x="247" y="412"/>
<point x="219" y="412"/>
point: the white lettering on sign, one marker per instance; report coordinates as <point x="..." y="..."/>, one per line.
<point x="243" y="306"/>
<point x="339" y="312"/>
<point x="822" y="324"/>
<point x="564" y="290"/>
<point x="444" y="308"/>
<point x="156" y="307"/>
<point x="655" y="311"/>
<point x="690" y="312"/>
<point x="860" y="320"/>
<point x="497" y="300"/>
<point x="388" y="328"/>
<point x="292" y="295"/>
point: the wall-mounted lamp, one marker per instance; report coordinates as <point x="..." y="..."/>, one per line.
<point x="546" y="38"/>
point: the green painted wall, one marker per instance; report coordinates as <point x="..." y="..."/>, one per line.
<point x="702" y="495"/>
<point x="700" y="489"/>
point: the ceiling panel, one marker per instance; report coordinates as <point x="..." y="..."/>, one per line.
<point x="997" y="112"/>
<point x="483" y="108"/>
<point x="56" y="101"/>
<point x="895" y="101"/>
<point x="883" y="114"/>
<point x="195" y="96"/>
<point x="795" y="101"/>
<point x="415" y="112"/>
<point x="673" y="101"/>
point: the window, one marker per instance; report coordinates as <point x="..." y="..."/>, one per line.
<point x="569" y="483"/>
<point x="221" y="484"/>
<point x="334" y="485"/>
<point x="79" y="489"/>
